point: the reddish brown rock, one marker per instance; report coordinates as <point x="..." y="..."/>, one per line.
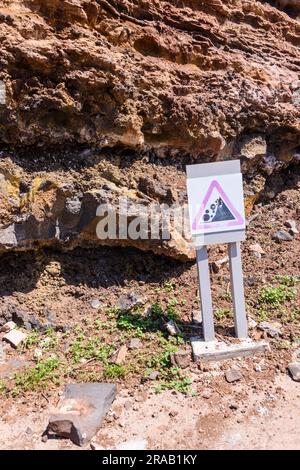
<point x="181" y="80"/>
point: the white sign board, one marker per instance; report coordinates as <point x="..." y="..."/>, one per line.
<point x="215" y="195"/>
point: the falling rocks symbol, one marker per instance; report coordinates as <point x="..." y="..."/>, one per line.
<point x="218" y="212"/>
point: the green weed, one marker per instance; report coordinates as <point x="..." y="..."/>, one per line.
<point x="89" y="348"/>
<point x="276" y="296"/>
<point x="174" y="380"/>
<point x="39" y="376"/>
<point x="287" y="280"/>
<point x="223" y="313"/>
<point x="169" y="286"/>
<point x="115" y="371"/>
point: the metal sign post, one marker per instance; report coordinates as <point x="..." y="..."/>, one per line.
<point x="216" y="209"/>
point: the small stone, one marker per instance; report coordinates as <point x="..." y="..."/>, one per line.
<point x="291" y="224"/>
<point x="257" y="368"/>
<point x="15" y="337"/>
<point x="10" y="325"/>
<point x="44" y="438"/>
<point x="282" y="236"/>
<point x="173" y="413"/>
<point x="153" y="376"/>
<point x="172" y="328"/>
<point x="272" y="329"/>
<point x="256" y="248"/>
<point x="119" y="356"/>
<point x="147" y="311"/>
<point x="233" y="375"/>
<point x="28" y="430"/>
<point x="217" y="265"/>
<point x="294" y="369"/>
<point x="252" y="323"/>
<point x="181" y="359"/>
<point x="135" y="343"/>
<point x="197" y="317"/>
<point x="233" y="406"/>
<point x="206" y="394"/>
<point x="95" y="303"/>
<point x="130" y="300"/>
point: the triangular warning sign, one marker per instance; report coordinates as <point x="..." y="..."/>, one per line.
<point x="216" y="210"/>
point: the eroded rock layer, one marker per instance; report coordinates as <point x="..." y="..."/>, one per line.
<point x="202" y="79"/>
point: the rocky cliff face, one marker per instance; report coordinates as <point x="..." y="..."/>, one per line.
<point x="126" y="83"/>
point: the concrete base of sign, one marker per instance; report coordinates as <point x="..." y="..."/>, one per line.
<point x="219" y="351"/>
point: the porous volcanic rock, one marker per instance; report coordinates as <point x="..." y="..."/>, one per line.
<point x="207" y="80"/>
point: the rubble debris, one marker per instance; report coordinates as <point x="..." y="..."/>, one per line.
<point x="81" y="411"/>
<point x="291" y="224"/>
<point x="130" y="300"/>
<point x="15" y="337"/>
<point x="197" y="317"/>
<point x="119" y="356"/>
<point x="153" y="375"/>
<point x="217" y="265"/>
<point x="282" y="236"/>
<point x="172" y="328"/>
<point x="233" y="375"/>
<point x="95" y="303"/>
<point x="257" y="250"/>
<point x="181" y="359"/>
<point x="272" y="329"/>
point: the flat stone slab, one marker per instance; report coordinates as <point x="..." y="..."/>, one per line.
<point x="218" y="350"/>
<point x="15" y="337"/>
<point x="81" y="411"/>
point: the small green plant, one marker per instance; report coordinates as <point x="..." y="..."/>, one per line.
<point x="287" y="280"/>
<point x="223" y="313"/>
<point x="293" y="316"/>
<point x="39" y="376"/>
<point x="172" y="314"/>
<point x="169" y="286"/>
<point x="276" y="296"/>
<point x="161" y="360"/>
<point x="89" y="348"/>
<point x="32" y="339"/>
<point x="115" y="371"/>
<point x="135" y="322"/>
<point x="174" y="380"/>
<point x="226" y="296"/>
<point x="262" y="314"/>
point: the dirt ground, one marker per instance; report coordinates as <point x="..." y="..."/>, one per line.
<point x="195" y="408"/>
<point x="262" y="420"/>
